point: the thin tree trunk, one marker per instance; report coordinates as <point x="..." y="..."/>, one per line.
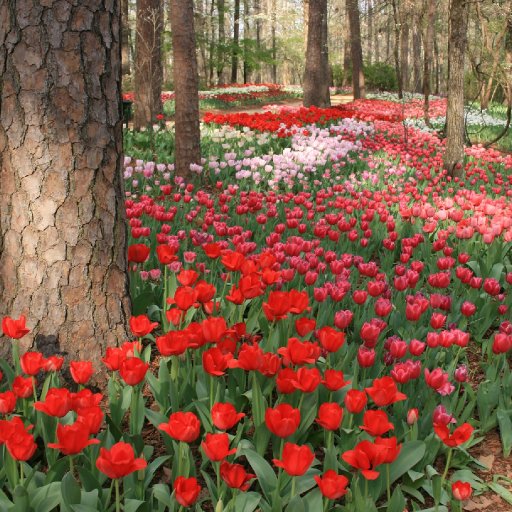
<point x="356" y="50"/>
<point x="257" y="12"/>
<point x="347" y="57"/>
<point x="62" y="225"/>
<point x="274" y="41"/>
<point x="148" y="63"/>
<point x="454" y="154"/>
<point x="396" y="51"/>
<point x="416" y="53"/>
<point x="370" y="32"/>
<point x="404" y="50"/>
<point x="437" y="59"/>
<point x="222" y="42"/>
<point x="247" y="69"/>
<point x="211" y="50"/>
<point x="236" y="42"/>
<point x="186" y="86"/>
<point x="125" y="38"/>
<point x="427" y="57"/>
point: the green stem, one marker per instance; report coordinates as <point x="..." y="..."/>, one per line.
<point x="22" y="478"/>
<point x="294" y="481"/>
<point x="326" y="505"/>
<point x="71" y="466"/>
<point x="134" y="410"/>
<point x="16" y="356"/>
<point x="388" y="483"/>
<point x="217" y="471"/>
<point x="445" y="473"/>
<point x="118" y="499"/>
<point x="34" y="389"/>
<point x="365" y="489"/>
<point x="164" y="302"/>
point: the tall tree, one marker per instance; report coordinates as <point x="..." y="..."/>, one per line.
<point x="186" y="87"/>
<point x="148" y="62"/>
<point x="257" y="12"/>
<point x="247" y="65"/>
<point x="316" y="79"/>
<point x="428" y="43"/>
<point x="356" y="50"/>
<point x="457" y="39"/>
<point x="222" y="42"/>
<point x="125" y="38"/>
<point x="273" y="29"/>
<point x="396" y="50"/>
<point x="236" y="41"/>
<point x="62" y="227"/>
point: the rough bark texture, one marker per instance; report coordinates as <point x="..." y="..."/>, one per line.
<point x="316" y="79"/>
<point x="62" y="226"/>
<point x="454" y="153"/>
<point x="236" y="41"/>
<point x="356" y="50"/>
<point x="125" y="38"/>
<point x="148" y="62"/>
<point x="186" y="87"/>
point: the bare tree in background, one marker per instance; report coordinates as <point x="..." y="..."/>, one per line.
<point x="356" y="50"/>
<point x="148" y="62"/>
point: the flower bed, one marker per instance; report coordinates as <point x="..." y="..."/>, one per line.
<point x="301" y="339"/>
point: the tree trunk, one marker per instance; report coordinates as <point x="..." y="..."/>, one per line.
<point x="316" y="78"/>
<point x="222" y="43"/>
<point x="211" y="50"/>
<point x="247" y="68"/>
<point x="347" y="58"/>
<point x="454" y="154"/>
<point x="125" y="38"/>
<point x="186" y="87"/>
<point x="274" y="41"/>
<point x="369" y="58"/>
<point x="148" y="63"/>
<point x="257" y="12"/>
<point x="62" y="225"/>
<point x="427" y="57"/>
<point x="437" y="59"/>
<point x="356" y="50"/>
<point x="236" y="42"/>
<point x="416" y="55"/>
<point x="396" y="51"/>
<point x="404" y="51"/>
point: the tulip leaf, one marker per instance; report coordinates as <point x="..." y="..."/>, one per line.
<point x="247" y="501"/>
<point x="152" y="467"/>
<point x="266" y="476"/>
<point x="70" y="491"/>
<point x="505" y="430"/>
<point x="46" y="498"/>
<point x="162" y="494"/>
<point x="397" y="501"/>
<point x="131" y="505"/>
<point x="296" y="504"/>
<point x="313" y="501"/>
<point x="501" y="491"/>
<point x="410" y="454"/>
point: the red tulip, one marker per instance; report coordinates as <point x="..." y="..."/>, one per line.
<point x="81" y="371"/>
<point x="299" y="352"/>
<point x="330" y="339"/>
<point x="32" y="362"/>
<point x="283" y="420"/>
<point x="376" y="423"/>
<point x="296" y="459"/>
<point x="166" y="254"/>
<point x="20" y="443"/>
<point x="225" y="416"/>
<point x="57" y="403"/>
<point x="182" y="426"/>
<point x="277" y="306"/>
<point x="173" y="343"/>
<point x="141" y="325"/>
<point x="334" y="380"/>
<point x="114" y="356"/>
<point x="72" y="439"/>
<point x="214" y="328"/>
<point x="332" y="485"/>
<point x="355" y="401"/>
<point x="215" y="362"/>
<point x="92" y="417"/>
<point x="53" y="364"/>
<point x="461" y="490"/>
<point x="391" y="446"/>
<point x="366" y="456"/>
<point x="119" y="461"/>
<point x="384" y="392"/>
<point x="133" y="370"/>
<point x="235" y="476"/>
<point x="216" y="447"/>
<point x="7" y="402"/>
<point x="22" y="387"/>
<point x="186" y="490"/>
<point x="138" y="253"/>
<point x="330" y="416"/>
<point x="304" y="326"/>
<point x="459" y="436"/>
<point x="14" y="328"/>
<point x="85" y="399"/>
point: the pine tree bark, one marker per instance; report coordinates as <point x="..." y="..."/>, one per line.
<point x="125" y="38"/>
<point x="236" y="42"/>
<point x="62" y="225"/>
<point x="186" y="87"/>
<point x="148" y="63"/>
<point x="454" y="153"/>
<point x="356" y="50"/>
<point x="316" y="78"/>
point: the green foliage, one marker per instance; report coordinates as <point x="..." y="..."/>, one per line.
<point x="380" y="76"/>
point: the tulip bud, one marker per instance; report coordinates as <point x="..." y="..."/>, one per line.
<point x="412" y="416"/>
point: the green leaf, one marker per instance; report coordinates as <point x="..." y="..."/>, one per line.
<point x="313" y="501"/>
<point x="70" y="491"/>
<point x="266" y="476"/>
<point x="46" y="498"/>
<point x="296" y="504"/>
<point x="247" y="501"/>
<point x="410" y="454"/>
<point x="505" y="430"/>
<point x="501" y="491"/>
<point x="397" y="502"/>
<point x="131" y="505"/>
